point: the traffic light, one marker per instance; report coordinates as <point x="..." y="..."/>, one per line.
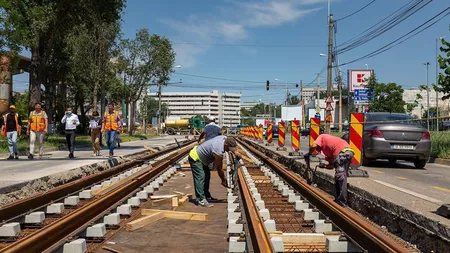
<point x="267" y="85"/>
<point x="296" y="85"/>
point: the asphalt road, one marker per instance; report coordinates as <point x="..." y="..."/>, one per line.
<point x="432" y="181"/>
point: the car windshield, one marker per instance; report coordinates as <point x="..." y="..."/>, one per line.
<point x="391" y="119"/>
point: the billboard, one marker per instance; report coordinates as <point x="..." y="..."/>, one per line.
<point x="357" y="78"/>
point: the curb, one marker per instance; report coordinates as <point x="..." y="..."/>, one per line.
<point x="439" y="161"/>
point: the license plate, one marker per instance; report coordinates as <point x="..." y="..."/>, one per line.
<point x="403" y="147"/>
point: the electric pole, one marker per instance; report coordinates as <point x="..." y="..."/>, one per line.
<point x="318" y="90"/>
<point x="340" y="100"/>
<point x="301" y="103"/>
<point x="428" y="98"/>
<point x="159" y="106"/>
<point x="329" y="68"/>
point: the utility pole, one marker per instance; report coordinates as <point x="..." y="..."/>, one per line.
<point x="329" y="68"/>
<point x="428" y="98"/>
<point x="340" y="100"/>
<point x="159" y="106"/>
<point x="301" y="103"/>
<point x="318" y="90"/>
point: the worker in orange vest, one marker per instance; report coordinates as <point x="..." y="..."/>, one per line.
<point x="37" y="128"/>
<point x="111" y="125"/>
<point x="11" y="129"/>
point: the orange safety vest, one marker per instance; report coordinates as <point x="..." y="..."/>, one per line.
<point x="111" y="121"/>
<point x="18" y="127"/>
<point x="37" y="121"/>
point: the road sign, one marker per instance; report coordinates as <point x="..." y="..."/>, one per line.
<point x="362" y="96"/>
<point x="317" y="109"/>
<point x="329" y="100"/>
<point x="329" y="107"/>
<point x="329" y="118"/>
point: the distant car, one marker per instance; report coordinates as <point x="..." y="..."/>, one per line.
<point x="394" y="136"/>
<point x="274" y="132"/>
<point x="305" y="131"/>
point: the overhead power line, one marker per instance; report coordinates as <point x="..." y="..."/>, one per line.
<point x="248" y="45"/>
<point x="383" y="26"/>
<point x="226" y="79"/>
<point x="438" y="17"/>
<point x="355" y="12"/>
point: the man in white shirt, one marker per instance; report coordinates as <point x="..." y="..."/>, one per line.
<point x="71" y="122"/>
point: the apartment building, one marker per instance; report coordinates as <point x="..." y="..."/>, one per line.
<point x="225" y="107"/>
<point x="410" y="95"/>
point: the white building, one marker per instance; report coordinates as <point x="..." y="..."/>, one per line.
<point x="410" y="95"/>
<point x="249" y="105"/>
<point x="309" y="93"/>
<point x="225" y="107"/>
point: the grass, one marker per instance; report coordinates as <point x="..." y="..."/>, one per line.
<point x="440" y="145"/>
<point x="55" y="141"/>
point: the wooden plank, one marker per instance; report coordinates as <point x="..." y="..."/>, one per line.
<point x="177" y="214"/>
<point x="144" y="221"/>
<point x="174" y="201"/>
<point x="163" y="196"/>
<point x="303" y="238"/>
<point x="151" y="149"/>
<point x="111" y="249"/>
<point x="179" y="193"/>
<point x="112" y="186"/>
<point x="185" y="198"/>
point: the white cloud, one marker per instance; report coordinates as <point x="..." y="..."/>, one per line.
<point x="234" y="25"/>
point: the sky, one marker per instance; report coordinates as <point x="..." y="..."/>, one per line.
<point x="235" y="46"/>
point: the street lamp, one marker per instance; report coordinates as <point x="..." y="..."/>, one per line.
<point x="428" y="98"/>
<point x="367" y="66"/>
<point x="318" y="83"/>
<point x="437" y="93"/>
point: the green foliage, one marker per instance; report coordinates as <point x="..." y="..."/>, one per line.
<point x="388" y="97"/>
<point x="293" y="100"/>
<point x="149" y="108"/>
<point x="444" y="65"/>
<point x="144" y="59"/>
<point x="21" y="103"/>
<point x="440" y="145"/>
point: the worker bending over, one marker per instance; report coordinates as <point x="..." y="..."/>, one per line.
<point x="339" y="155"/>
<point x="210" y="131"/>
<point x="202" y="156"/>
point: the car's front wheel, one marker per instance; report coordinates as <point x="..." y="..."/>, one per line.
<point x="420" y="164"/>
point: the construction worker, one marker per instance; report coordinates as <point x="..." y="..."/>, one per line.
<point x="339" y="155"/>
<point x="37" y="128"/>
<point x="210" y="131"/>
<point x="111" y="125"/>
<point x="11" y="129"/>
<point x="208" y="152"/>
<point x="71" y="122"/>
<point x="95" y="125"/>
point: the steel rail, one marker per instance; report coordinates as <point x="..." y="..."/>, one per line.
<point x="12" y="210"/>
<point x="259" y="236"/>
<point x="364" y="233"/>
<point x="42" y="239"/>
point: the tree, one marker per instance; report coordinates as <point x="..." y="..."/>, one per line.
<point x="144" y="59"/>
<point x="387" y="97"/>
<point x="444" y="65"/>
<point x="411" y="106"/>
<point x="149" y="108"/>
<point x="21" y="103"/>
<point x="292" y="100"/>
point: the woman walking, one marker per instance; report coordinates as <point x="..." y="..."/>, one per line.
<point x="95" y="124"/>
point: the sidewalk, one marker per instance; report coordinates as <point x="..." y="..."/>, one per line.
<point x="57" y="168"/>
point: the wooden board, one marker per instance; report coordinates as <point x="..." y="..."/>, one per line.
<point x="144" y="221"/>
<point x="112" y="186"/>
<point x="151" y="149"/>
<point x="163" y="196"/>
<point x="303" y="238"/>
<point x="177" y="214"/>
<point x="185" y="198"/>
<point x="174" y="201"/>
<point x="111" y="249"/>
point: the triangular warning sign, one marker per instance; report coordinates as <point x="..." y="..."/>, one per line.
<point x="329" y="100"/>
<point x="329" y="118"/>
<point x="329" y="107"/>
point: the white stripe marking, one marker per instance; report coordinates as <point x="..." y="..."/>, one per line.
<point x="415" y="194"/>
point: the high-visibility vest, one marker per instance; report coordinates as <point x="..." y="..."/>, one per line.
<point x="16" y="117"/>
<point x="111" y="121"/>
<point x="37" y="121"/>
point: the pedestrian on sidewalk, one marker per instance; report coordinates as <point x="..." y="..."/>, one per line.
<point x="117" y="139"/>
<point x="95" y="125"/>
<point x="111" y="125"/>
<point x="339" y="156"/>
<point x="211" y="151"/>
<point x="37" y="128"/>
<point x="11" y="129"/>
<point x="71" y="122"/>
<point x="209" y="132"/>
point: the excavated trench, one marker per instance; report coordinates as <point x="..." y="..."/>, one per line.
<point x="427" y="235"/>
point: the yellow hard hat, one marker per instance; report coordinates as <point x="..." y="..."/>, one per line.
<point x="12" y="107"/>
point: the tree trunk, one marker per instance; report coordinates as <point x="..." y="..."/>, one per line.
<point x="35" y="78"/>
<point x="94" y="99"/>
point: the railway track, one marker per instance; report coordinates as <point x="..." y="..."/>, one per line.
<point x="91" y="209"/>
<point x="282" y="213"/>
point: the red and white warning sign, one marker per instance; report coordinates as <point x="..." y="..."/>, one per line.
<point x="329" y="100"/>
<point x="329" y="107"/>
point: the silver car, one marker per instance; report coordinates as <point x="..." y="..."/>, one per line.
<point x="395" y="136"/>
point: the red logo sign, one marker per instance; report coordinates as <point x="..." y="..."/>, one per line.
<point x="360" y="78"/>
